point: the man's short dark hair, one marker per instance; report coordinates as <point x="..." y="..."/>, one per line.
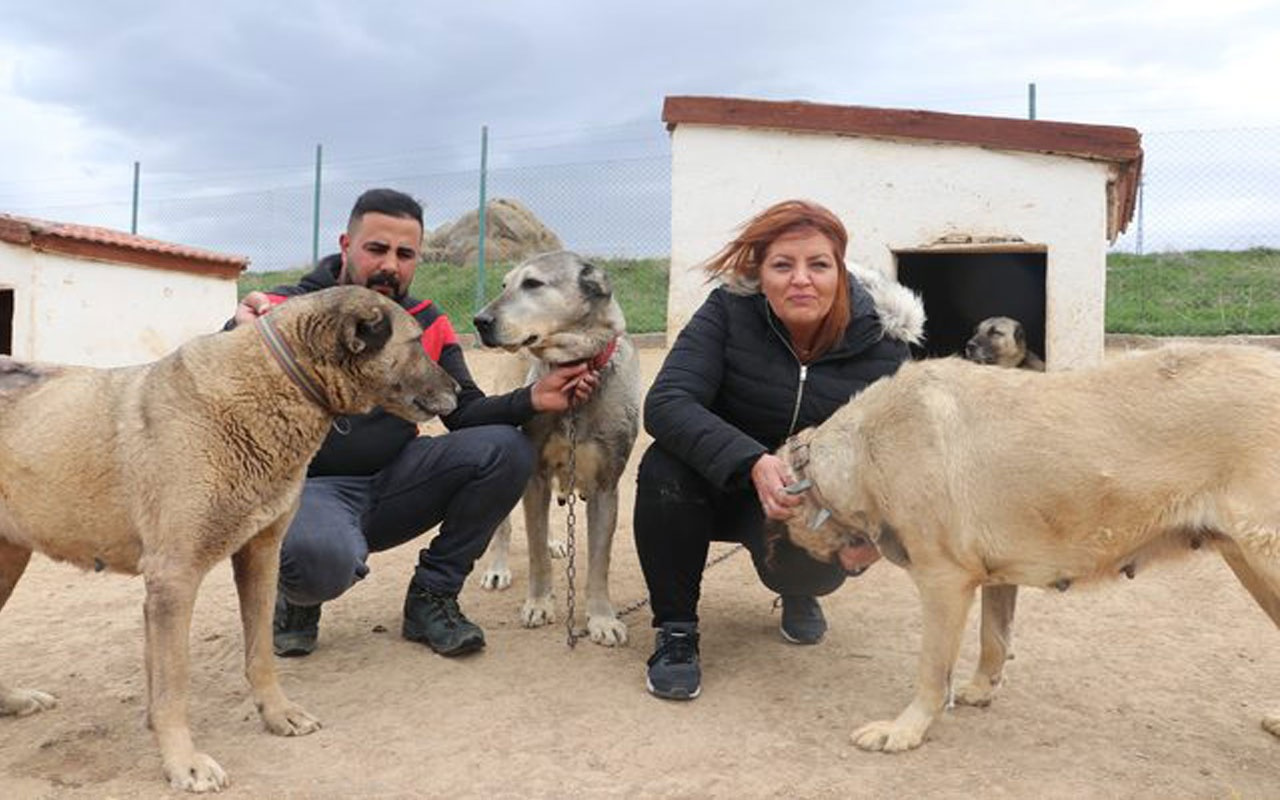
<point x="386" y="201"/>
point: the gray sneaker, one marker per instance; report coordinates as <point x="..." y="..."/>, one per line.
<point x="436" y="621"/>
<point x="674" y="670"/>
<point x="802" y="619"/>
<point x="294" y="629"/>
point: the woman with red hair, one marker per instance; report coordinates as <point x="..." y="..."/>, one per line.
<point x="788" y="336"/>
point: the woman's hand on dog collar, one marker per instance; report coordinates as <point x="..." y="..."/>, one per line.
<point x="770" y="475"/>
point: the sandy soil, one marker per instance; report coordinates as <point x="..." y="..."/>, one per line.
<point x="1145" y="688"/>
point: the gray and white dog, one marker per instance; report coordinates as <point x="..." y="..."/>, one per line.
<point x="554" y="309"/>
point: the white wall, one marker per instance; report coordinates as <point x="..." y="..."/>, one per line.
<point x="78" y="311"/>
<point x="895" y="195"/>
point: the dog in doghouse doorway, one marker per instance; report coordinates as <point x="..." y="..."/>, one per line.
<point x="1002" y="341"/>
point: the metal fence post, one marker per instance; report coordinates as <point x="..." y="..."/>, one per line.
<point x="484" y="159"/>
<point x="1142" y="186"/>
<point x="315" y="213"/>
<point x="133" y="224"/>
<point x="1031" y="101"/>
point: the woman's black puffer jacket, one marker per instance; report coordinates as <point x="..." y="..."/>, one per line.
<point x="732" y="388"/>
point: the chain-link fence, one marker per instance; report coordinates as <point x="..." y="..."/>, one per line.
<point x="1201" y="191"/>
<point x="614" y="212"/>
<point x="1202" y="254"/>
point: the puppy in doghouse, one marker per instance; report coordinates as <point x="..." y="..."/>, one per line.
<point x="1001" y="341"/>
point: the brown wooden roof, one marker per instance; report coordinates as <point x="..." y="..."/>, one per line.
<point x="1118" y="145"/>
<point x="105" y="244"/>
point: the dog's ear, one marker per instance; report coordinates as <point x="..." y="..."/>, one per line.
<point x="593" y="282"/>
<point x="366" y="330"/>
<point x="1019" y="334"/>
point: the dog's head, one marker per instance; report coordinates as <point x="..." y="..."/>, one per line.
<point x="997" y="340"/>
<point x="364" y="350"/>
<point x="557" y="306"/>
<point x="814" y="525"/>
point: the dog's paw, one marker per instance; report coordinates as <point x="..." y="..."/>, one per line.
<point x="496" y="579"/>
<point x="290" y="720"/>
<point x="200" y="773"/>
<point x="557" y="548"/>
<point x="22" y="702"/>
<point x="607" y="630"/>
<point x="886" y="736"/>
<point x="1271" y="723"/>
<point x="978" y="692"/>
<point x="538" y="611"/>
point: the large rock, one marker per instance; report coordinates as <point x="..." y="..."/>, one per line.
<point x="512" y="233"/>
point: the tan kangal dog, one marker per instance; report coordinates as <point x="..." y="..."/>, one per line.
<point x="556" y="308"/>
<point x="970" y="477"/>
<point x="1001" y="341"/>
<point x="167" y="468"/>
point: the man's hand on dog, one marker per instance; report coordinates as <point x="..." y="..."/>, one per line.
<point x="564" y="387"/>
<point x="254" y="305"/>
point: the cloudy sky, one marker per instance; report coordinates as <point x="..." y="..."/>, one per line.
<point x="211" y="96"/>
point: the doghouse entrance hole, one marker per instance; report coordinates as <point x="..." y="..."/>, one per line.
<point x="960" y="289"/>
<point x="6" y="322"/>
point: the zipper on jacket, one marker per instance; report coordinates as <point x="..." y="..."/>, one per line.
<point x="795" y="413"/>
<point x="804" y="368"/>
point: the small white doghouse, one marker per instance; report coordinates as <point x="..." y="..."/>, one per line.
<point x="77" y="294"/>
<point x="982" y="216"/>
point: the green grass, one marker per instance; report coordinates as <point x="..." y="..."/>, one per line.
<point x="639" y="284"/>
<point x="1193" y="293"/>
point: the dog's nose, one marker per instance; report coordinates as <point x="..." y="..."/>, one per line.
<point x="483" y="323"/>
<point x="970" y="350"/>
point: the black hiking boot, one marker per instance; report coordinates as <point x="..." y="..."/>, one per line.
<point x="294" y="629"/>
<point x="674" y="671"/>
<point x="436" y="621"/>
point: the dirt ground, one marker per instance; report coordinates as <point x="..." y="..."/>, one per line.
<point x="1147" y="688"/>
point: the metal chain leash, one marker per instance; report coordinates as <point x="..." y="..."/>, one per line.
<point x="570" y="569"/>
<point x="711" y="562"/>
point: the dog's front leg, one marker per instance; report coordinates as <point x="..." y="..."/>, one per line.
<point x="603" y="624"/>
<point x="498" y="574"/>
<point x="257" y="566"/>
<point x="18" y="702"/>
<point x="998" y="605"/>
<point x="170" y="598"/>
<point x="539" y="607"/>
<point x="945" y="600"/>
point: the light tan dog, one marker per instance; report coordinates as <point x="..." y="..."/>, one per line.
<point x="164" y="469"/>
<point x="970" y="477"/>
<point x="554" y="309"/>
<point x="1001" y="341"/>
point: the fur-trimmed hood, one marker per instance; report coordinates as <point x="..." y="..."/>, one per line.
<point x="901" y="310"/>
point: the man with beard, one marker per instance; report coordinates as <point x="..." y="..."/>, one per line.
<point x="375" y="483"/>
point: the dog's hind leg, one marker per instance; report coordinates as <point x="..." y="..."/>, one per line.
<point x="257" y="566"/>
<point x="171" y="595"/>
<point x="603" y="624"/>
<point x="1264" y="586"/>
<point x="945" y="597"/>
<point x="539" y="606"/>
<point x="17" y="702"/>
<point x="498" y="574"/>
<point x="998" y="606"/>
